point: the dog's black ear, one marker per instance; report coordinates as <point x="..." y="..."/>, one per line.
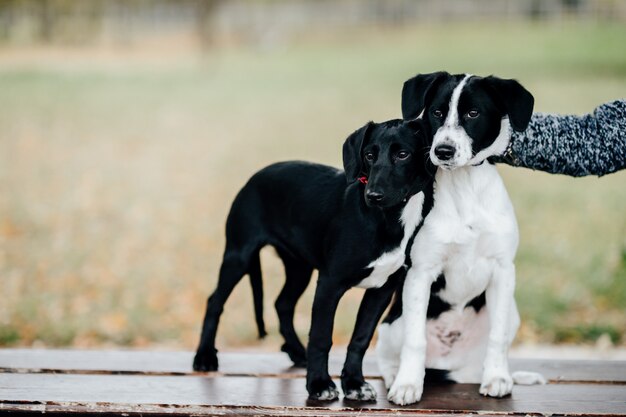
<point x="416" y="125"/>
<point x="516" y="99"/>
<point x="416" y="90"/>
<point x="352" y="161"/>
<point x="422" y="148"/>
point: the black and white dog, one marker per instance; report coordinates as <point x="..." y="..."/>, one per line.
<point x="457" y="311"/>
<point x="353" y="226"/>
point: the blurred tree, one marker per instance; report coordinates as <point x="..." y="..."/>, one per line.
<point x="204" y="14"/>
<point x="263" y="22"/>
<point x="6" y="18"/>
<point x="572" y="4"/>
<point x="46" y="20"/>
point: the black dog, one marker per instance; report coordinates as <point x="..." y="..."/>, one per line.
<point x="353" y="227"/>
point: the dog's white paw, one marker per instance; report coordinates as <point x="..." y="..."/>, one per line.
<point x="405" y="394"/>
<point x="365" y="393"/>
<point x="498" y="385"/>
<point x="328" y="394"/>
<point x="528" y="378"/>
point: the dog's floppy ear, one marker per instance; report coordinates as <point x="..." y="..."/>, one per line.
<point x="352" y="161"/>
<point x="415" y="91"/>
<point x="418" y="128"/>
<point x="516" y="99"/>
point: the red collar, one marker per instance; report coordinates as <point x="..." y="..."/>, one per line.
<point x="363" y="179"/>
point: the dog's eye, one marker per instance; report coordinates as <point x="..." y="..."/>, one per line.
<point x="369" y="156"/>
<point x="402" y="155"/>
<point x="438" y="113"/>
<point x="472" y="114"/>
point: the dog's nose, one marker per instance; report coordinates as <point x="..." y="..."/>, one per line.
<point x="374" y="197"/>
<point x="445" y="152"/>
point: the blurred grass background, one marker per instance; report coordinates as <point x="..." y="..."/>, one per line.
<point x="118" y="166"/>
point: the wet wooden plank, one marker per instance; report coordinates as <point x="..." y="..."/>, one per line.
<point x="263" y="364"/>
<point x="94" y="361"/>
<point x="282" y="396"/>
<point x="78" y="410"/>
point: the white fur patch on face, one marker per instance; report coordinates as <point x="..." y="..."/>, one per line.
<point x="390" y="262"/>
<point x="451" y="133"/>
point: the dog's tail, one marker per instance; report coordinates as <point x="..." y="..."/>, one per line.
<point x="528" y="378"/>
<point x="256" y="281"/>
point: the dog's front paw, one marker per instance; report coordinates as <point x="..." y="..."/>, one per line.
<point x="363" y="393"/>
<point x="405" y="394"/>
<point x="497" y="385"/>
<point x="322" y="390"/>
<point x="205" y="361"/>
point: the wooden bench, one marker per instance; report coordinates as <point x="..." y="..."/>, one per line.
<point x="259" y="384"/>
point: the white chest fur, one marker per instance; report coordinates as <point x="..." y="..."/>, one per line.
<point x="390" y="262"/>
<point x="471" y="227"/>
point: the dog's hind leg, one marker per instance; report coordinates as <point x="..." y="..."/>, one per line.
<point x="388" y="347"/>
<point x="234" y="266"/>
<point x="298" y="276"/>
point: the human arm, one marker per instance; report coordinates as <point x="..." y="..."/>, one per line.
<point x="592" y="144"/>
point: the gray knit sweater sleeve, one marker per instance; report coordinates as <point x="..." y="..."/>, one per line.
<point x="593" y="144"/>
